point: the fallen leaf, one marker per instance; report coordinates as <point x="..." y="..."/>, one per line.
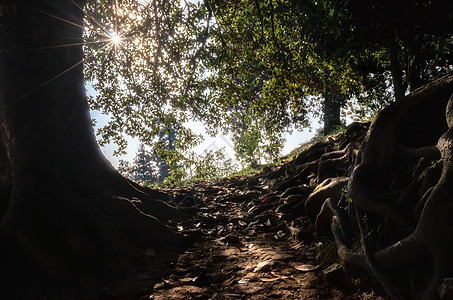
<point x="306" y="267"/>
<point x="244" y="280"/>
<point x="264" y="266"/>
<point x="242" y="223"/>
<point x="280" y="276"/>
<point x="233" y="295"/>
<point x="228" y="281"/>
<point x="266" y="279"/>
<point x="251" y="209"/>
<point x="297" y="246"/>
<point x="281" y="234"/>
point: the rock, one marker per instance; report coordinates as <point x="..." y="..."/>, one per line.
<point x="334" y="274"/>
<point x="159" y="285"/>
<point x="301" y="234"/>
<point x="446" y="289"/>
<point x="232" y="240"/>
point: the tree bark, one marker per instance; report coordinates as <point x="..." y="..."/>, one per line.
<point x="331" y="111"/>
<point x="69" y="212"/>
<point x="399" y="87"/>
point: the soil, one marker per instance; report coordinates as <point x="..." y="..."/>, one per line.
<point x="244" y="251"/>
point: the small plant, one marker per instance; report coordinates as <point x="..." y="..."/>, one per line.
<point x="211" y="165"/>
<point x="326" y="250"/>
<point x="345" y="198"/>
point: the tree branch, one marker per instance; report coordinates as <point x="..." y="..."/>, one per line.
<point x="260" y="15"/>
<point x="197" y="54"/>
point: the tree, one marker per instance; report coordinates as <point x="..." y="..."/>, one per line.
<point x="142" y="80"/>
<point x="66" y="211"/>
<point x="144" y="169"/>
<point x="413" y="36"/>
<point x="208" y="166"/>
<point x="267" y="58"/>
<point x="265" y="61"/>
<point x="219" y="83"/>
<point x="327" y="47"/>
<point x="167" y="139"/>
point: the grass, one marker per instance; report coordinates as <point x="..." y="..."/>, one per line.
<point x="319" y="137"/>
<point x="250" y="171"/>
<point x="326" y="249"/>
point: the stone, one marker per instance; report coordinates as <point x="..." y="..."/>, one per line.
<point x="446" y="289"/>
<point x="334" y="274"/>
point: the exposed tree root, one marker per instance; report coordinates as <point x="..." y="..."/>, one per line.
<point x="330" y="188"/>
<point x="433" y="233"/>
<point x="402" y="182"/>
<point x="381" y="278"/>
<point x="372" y="201"/>
<point x="63" y="238"/>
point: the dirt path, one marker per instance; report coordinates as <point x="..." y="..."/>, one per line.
<point x="246" y="253"/>
<point x="254" y="237"/>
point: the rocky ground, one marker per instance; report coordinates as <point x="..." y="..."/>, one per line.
<point x="254" y="239"/>
<point x="244" y="255"/>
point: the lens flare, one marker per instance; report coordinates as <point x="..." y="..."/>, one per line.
<point x="115" y="38"/>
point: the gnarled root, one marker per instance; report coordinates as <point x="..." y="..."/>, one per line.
<point x="56" y="237"/>
<point x="388" y="172"/>
<point x="372" y="201"/>
<point x="330" y="188"/>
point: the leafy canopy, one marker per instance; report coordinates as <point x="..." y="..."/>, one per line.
<point x="253" y="68"/>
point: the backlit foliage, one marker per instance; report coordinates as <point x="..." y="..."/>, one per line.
<point x="252" y="68"/>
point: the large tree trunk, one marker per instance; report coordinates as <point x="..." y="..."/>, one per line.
<point x="67" y="212"/>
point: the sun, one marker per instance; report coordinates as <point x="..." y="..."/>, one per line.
<point x="115" y="38"/>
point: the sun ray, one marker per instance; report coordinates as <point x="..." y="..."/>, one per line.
<point x="94" y="20"/>
<point x="71" y="45"/>
<point x="55" y="17"/>
<point x="56" y="76"/>
<point x="115" y="25"/>
<point x="113" y="39"/>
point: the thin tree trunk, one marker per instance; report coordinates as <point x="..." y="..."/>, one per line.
<point x="397" y="75"/>
<point x="414" y="71"/>
<point x="331" y="111"/>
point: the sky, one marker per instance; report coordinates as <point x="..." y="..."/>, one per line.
<point x="293" y="140"/>
<point x="218" y="142"/>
